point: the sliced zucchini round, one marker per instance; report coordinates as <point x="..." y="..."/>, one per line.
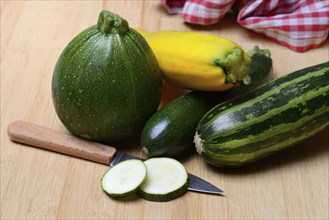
<point x="166" y="179"/>
<point x="124" y="178"/>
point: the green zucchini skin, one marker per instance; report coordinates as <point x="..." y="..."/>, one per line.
<point x="170" y="130"/>
<point x="164" y="197"/>
<point x="163" y="175"/>
<point x="271" y="118"/>
<point x="106" y="82"/>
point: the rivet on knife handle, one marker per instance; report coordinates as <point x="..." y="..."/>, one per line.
<point x="45" y="138"/>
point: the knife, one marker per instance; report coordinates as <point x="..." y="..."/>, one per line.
<point x="45" y="138"/>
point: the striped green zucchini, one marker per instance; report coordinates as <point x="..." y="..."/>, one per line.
<point x="280" y="114"/>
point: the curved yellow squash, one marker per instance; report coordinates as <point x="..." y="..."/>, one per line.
<point x="199" y="61"/>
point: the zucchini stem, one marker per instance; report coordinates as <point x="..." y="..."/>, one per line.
<point x="111" y="23"/>
<point x="198" y="143"/>
<point x="256" y="50"/>
<point x="236" y="66"/>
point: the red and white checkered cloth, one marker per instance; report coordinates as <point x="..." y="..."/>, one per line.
<point x="299" y="25"/>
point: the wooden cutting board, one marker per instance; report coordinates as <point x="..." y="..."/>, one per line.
<point x="37" y="184"/>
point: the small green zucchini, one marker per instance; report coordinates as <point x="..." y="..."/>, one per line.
<point x="273" y="117"/>
<point x="170" y="130"/>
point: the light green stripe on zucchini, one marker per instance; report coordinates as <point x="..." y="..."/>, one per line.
<point x="244" y="158"/>
<point x="273" y="117"/>
<point x="280" y="128"/>
<point x="255" y="100"/>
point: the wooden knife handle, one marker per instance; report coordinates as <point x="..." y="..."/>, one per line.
<point x="45" y="138"/>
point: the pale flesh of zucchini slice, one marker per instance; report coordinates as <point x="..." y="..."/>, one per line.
<point x="166" y="179"/>
<point x="124" y="178"/>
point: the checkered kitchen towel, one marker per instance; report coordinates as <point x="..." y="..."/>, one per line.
<point x="299" y="25"/>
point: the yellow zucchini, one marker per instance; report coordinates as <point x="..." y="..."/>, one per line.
<point x="199" y="61"/>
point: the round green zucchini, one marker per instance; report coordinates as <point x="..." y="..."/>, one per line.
<point x="170" y="130"/>
<point x="271" y="118"/>
<point x="107" y="82"/>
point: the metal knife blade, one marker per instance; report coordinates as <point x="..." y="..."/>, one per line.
<point x="45" y="138"/>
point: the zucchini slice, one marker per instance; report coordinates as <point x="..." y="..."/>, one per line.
<point x="166" y="179"/>
<point x="124" y="178"/>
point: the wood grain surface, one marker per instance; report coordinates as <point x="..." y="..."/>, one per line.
<point x="39" y="184"/>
